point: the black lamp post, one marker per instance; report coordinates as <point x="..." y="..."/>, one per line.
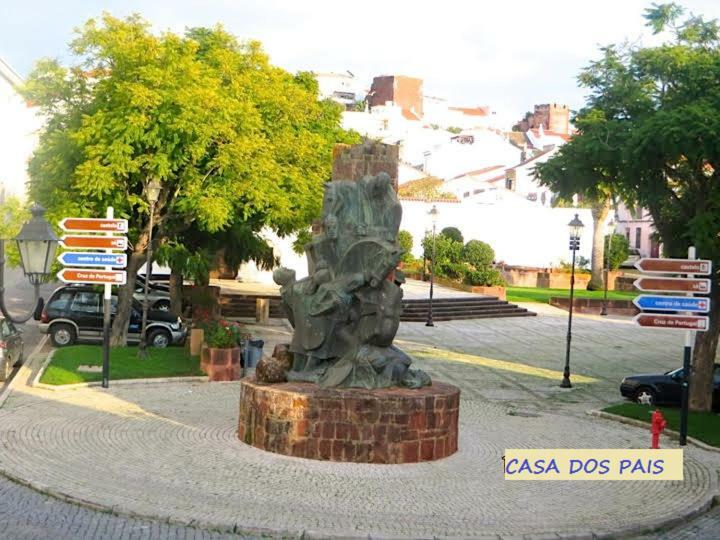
<point x="610" y="232"/>
<point x="37" y="244"/>
<point x="433" y="216"/>
<point x="575" y="227"/>
<point x="153" y="194"/>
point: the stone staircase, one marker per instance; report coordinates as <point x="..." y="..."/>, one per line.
<point x="461" y="307"/>
<point x="414" y="310"/>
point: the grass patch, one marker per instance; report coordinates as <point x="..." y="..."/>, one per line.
<point x="124" y="364"/>
<point x="702" y="426"/>
<point x="533" y="294"/>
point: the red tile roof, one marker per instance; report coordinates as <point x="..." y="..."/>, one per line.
<point x="496" y="178"/>
<point x="472" y="111"/>
<point x="479" y="171"/>
<point x="409" y="115"/>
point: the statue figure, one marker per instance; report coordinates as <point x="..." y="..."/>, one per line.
<point x="346" y="313"/>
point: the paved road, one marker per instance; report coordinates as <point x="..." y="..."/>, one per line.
<point x="179" y="421"/>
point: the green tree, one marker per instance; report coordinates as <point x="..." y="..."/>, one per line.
<point x="479" y="254"/>
<point x="405" y="240"/>
<point x="454" y="233"/>
<point x="650" y="126"/>
<point x="13" y="213"/>
<point x="617" y="249"/>
<point x="448" y="255"/>
<point x="230" y="137"/>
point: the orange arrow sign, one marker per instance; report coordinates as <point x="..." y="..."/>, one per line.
<point x="94" y="242"/>
<point x="94" y="225"/>
<point x="677" y="322"/>
<point x="658" y="284"/>
<point x="674" y="266"/>
<point x="79" y="275"/>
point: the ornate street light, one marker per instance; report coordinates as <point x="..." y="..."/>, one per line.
<point x="433" y="216"/>
<point x="37" y="244"/>
<point x="575" y="227"/>
<point x="610" y="232"/>
<point x="152" y="190"/>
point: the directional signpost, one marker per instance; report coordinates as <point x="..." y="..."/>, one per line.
<point x="94" y="242"/>
<point x="672" y="303"/>
<point x="687" y="305"/>
<point x="86" y="258"/>
<point x="103" y="265"/>
<point x="101" y="277"/>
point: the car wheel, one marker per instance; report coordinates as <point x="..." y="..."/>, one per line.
<point x="162" y="305"/>
<point x="62" y="335"/>
<point x="645" y="396"/>
<point x="159" y="338"/>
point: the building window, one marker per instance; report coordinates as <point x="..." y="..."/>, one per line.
<point x="627" y="234"/>
<point x="509" y="183"/>
<point x="638" y="233"/>
<point x="466" y="195"/>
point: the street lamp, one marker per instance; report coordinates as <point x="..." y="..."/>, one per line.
<point x="152" y="190"/>
<point x="433" y="217"/>
<point x="37" y="244"/>
<point x="610" y="232"/>
<point x="575" y="227"/>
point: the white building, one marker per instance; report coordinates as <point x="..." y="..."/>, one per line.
<point x="19" y="127"/>
<point x="340" y="87"/>
<point x="637" y="225"/>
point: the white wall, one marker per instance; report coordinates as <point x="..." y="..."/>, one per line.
<point x="19" y="125"/>
<point x="520" y="232"/>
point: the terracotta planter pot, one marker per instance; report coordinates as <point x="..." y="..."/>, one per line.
<point x="221" y="364"/>
<point x="197" y="337"/>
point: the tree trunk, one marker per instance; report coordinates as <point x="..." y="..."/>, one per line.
<point x="176" y="281"/>
<point x="118" y="337"/>
<point x="703" y="362"/>
<point x="599" y="210"/>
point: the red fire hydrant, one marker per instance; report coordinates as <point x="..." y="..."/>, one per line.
<point x="657" y="425"/>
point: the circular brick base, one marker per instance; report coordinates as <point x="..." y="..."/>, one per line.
<point x="395" y="425"/>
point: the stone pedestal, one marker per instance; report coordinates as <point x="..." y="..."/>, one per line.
<point x="395" y="425"/>
<point x="221" y="364"/>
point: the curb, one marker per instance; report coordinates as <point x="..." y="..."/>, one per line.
<point x="122" y="382"/>
<point x="639" y="423"/>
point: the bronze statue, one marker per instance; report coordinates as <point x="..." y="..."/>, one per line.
<point x="347" y="311"/>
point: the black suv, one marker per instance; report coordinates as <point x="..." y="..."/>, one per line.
<point x="74" y="312"/>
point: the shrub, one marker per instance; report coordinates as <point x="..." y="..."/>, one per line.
<point x="453" y="233"/>
<point x="447" y="254"/>
<point x="478" y="254"/>
<point x="405" y="240"/>
<point x="618" y="252"/>
<point x="485" y="277"/>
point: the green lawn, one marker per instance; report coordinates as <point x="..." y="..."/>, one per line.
<point x="702" y="426"/>
<point x="532" y="294"/>
<point x="124" y="364"/>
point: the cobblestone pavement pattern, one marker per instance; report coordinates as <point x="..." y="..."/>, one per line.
<point x="26" y="514"/>
<point x="170" y="449"/>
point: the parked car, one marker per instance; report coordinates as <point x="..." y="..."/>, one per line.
<point x="11" y="347"/>
<point x="74" y="313"/>
<point x="663" y="388"/>
<point x="158" y="298"/>
<point x="633" y="257"/>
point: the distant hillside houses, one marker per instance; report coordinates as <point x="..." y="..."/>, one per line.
<point x="19" y="127"/>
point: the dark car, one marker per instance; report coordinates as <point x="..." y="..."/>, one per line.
<point x="11" y="348"/>
<point x="74" y="313"/>
<point x="663" y="388"/>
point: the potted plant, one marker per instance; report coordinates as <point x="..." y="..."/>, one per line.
<point x="220" y="356"/>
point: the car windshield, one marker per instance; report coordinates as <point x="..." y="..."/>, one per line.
<point x="675" y="372"/>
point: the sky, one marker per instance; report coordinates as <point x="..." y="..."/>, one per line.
<point x="507" y="54"/>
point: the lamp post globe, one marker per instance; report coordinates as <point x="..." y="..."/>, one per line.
<point x="433" y="213"/>
<point x="37" y="244"/>
<point x="575" y="227"/>
<point x="152" y="190"/>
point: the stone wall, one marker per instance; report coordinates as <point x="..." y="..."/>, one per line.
<point x="393" y="425"/>
<point x="369" y="158"/>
